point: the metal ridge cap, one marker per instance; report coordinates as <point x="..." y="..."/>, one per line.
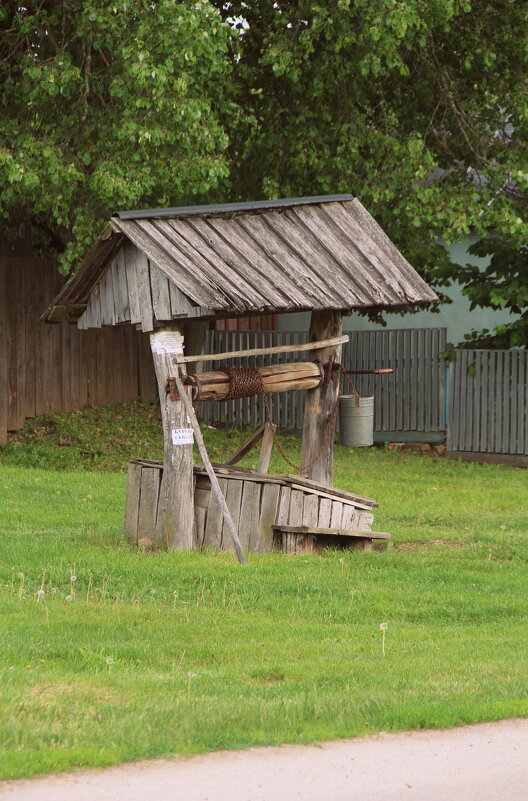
<point x="222" y="208"/>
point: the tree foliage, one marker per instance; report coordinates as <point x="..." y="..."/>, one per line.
<point x="108" y="104"/>
<point x="418" y="107"/>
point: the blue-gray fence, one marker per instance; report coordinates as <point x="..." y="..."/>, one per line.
<point x="479" y="403"/>
<point x="488" y="408"/>
<point x="411" y="400"/>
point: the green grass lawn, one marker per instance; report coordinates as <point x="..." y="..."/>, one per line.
<point x="148" y="655"/>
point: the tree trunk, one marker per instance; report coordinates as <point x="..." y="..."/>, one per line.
<point x="320" y="402"/>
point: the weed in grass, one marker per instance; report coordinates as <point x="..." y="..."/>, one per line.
<point x="383" y="629"/>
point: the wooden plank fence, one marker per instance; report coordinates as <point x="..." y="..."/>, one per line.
<point x="413" y="399"/>
<point x="57" y="368"/>
<point x="488" y="406"/>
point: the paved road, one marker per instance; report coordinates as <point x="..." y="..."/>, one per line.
<point x="486" y="762"/>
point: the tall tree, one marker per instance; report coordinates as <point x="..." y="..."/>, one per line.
<point x="419" y="107"/>
<point x="109" y="104"/>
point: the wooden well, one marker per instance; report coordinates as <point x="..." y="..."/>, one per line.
<point x="281" y="512"/>
<point x="172" y="273"/>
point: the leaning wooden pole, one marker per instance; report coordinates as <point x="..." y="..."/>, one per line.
<point x="320" y="402"/>
<point x="191" y="415"/>
<point x="175" y="515"/>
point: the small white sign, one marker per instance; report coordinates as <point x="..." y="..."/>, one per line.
<point x="166" y="342"/>
<point x="182" y="436"/>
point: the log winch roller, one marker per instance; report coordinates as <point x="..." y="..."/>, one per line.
<point x="231" y="383"/>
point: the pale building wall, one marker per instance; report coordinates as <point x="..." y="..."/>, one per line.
<point x="456" y="316"/>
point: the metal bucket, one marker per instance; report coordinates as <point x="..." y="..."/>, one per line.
<point x="356" y="421"/>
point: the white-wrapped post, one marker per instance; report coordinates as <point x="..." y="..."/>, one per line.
<point x="175" y="516"/>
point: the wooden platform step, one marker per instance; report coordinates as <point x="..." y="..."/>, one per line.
<point x="307" y="539"/>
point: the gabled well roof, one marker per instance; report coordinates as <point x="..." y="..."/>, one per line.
<point x="268" y="257"/>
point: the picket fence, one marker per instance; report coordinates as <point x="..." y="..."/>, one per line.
<point x="478" y="403"/>
<point x="57" y="368"/>
<point x="488" y="408"/>
<point x="412" y="400"/>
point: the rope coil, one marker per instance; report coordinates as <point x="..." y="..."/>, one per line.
<point x="244" y="382"/>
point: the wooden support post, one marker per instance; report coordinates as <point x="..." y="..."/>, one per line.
<point x="267" y="446"/>
<point x="175" y="515"/>
<point x="320" y="402"/>
<point x="210" y="471"/>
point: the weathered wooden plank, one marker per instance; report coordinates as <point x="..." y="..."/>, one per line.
<point x="233" y="496"/>
<point x="485" y="408"/>
<point x="476" y="400"/>
<point x="333" y="250"/>
<point x="132" y="502"/>
<point x="268" y="514"/>
<point x="522" y="423"/>
<point x="121" y="292"/>
<point x="468" y="381"/>
<point x="310" y="510"/>
<point x="211" y="237"/>
<point x="267" y="446"/>
<point x="492" y="413"/>
<point x="92" y="338"/>
<point x="21" y="310"/>
<point x="148" y="506"/>
<point x="325" y="512"/>
<point x="346" y="519"/>
<point x="132" y="256"/>
<point x="283" y="511"/>
<point x="91" y="318"/>
<point x="57" y="353"/>
<point x="3" y="351"/>
<point x="31" y="324"/>
<point x="170" y="261"/>
<point x="420" y="364"/>
<point x="250" y="443"/>
<point x="262" y="261"/>
<point x="200" y="516"/>
<point x="106" y="294"/>
<point x="66" y="376"/>
<point x="181" y="305"/>
<point x="296" y="508"/>
<point x="379" y="249"/>
<point x="250" y="514"/>
<point x="11" y="342"/>
<point x="516" y="401"/>
<point x="336" y="514"/>
<point x="308" y="291"/>
<point x="296" y="248"/>
<point x="100" y="367"/>
<point x="144" y="294"/>
<point x="237" y="354"/>
<point x="503" y="393"/>
<point x="377" y="535"/>
<point x="214" y="521"/>
<point x="330" y="494"/>
<point x="361" y="521"/>
<point x="452" y="410"/>
<point x="159" y="285"/>
<point x="79" y="356"/>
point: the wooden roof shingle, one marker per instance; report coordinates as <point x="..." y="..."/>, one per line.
<point x="263" y="257"/>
